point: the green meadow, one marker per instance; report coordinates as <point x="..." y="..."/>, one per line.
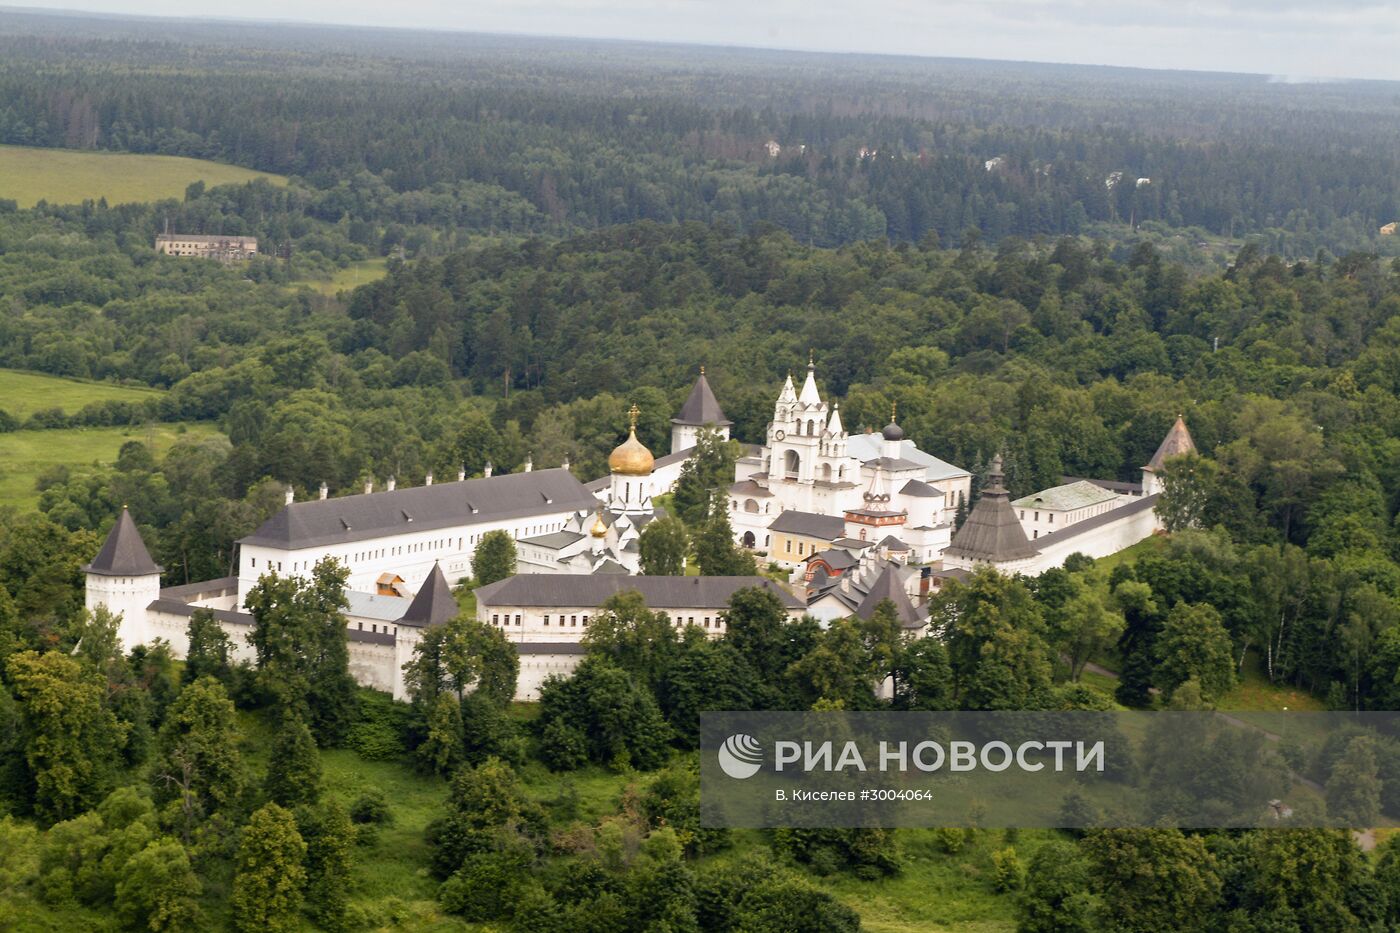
<point x="349" y="278"/>
<point x="22" y="394"/>
<point x="68" y="176"/>
<point x="26" y="454"/>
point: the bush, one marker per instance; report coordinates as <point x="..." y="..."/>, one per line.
<point x="484" y="888"/>
<point x="374" y="741"/>
<point x="371" y="807"/>
<point x="949" y="839"/>
<point x="379" y="728"/>
<point x="1008" y="874"/>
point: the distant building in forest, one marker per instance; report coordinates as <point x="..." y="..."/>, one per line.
<point x="1390" y="228"/>
<point x="221" y="248"/>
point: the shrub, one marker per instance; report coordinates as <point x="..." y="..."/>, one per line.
<point x="371" y="807"/>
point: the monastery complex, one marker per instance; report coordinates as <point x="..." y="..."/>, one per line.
<point x="851" y="520"/>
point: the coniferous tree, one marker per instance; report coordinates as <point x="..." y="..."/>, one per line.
<point x="716" y="553"/>
<point x="330" y="842"/>
<point x="704" y="477"/>
<point x="294" y="770"/>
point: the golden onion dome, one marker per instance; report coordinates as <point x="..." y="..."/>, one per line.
<point x="599" y="529"/>
<point x="631" y="457"/>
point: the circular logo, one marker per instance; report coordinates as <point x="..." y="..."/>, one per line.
<point x="741" y="756"/>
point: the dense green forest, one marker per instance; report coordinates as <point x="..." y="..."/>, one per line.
<point x="572" y="135"/>
<point x="568" y="234"/>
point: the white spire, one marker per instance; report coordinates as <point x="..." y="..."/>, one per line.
<point x="787" y="396"/>
<point x="834" y="425"/>
<point x="809" y="396"/>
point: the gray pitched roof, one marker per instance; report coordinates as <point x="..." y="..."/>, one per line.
<point x="434" y="602"/>
<point x="835" y="558"/>
<point x="1112" y="485"/>
<point x="1067" y="498"/>
<point x="568" y="589"/>
<point x="701" y="407"/>
<point x="375" y="606"/>
<point x="810" y="524"/>
<point x="888" y="586"/>
<point x="319" y="522"/>
<point x="1177" y="442"/>
<point x="123" y="554"/>
<point x="992" y="533"/>
<point x="866" y="447"/>
<point x="917" y="487"/>
<point x="554" y="540"/>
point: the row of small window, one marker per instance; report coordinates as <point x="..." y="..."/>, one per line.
<point x="374" y="627"/>
<point x="497" y="619"/>
<point x="439" y="545"/>
<point x="501" y="620"/>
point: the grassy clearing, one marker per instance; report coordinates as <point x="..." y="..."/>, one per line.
<point x="68" y="176"/>
<point x="1255" y="694"/>
<point x="1129" y="555"/>
<point x="22" y="394"/>
<point x="26" y="454"/>
<point x="351" y="277"/>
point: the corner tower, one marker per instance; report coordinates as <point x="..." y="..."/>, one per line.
<point x="1177" y="442"/>
<point x="701" y="408"/>
<point x="125" y="579"/>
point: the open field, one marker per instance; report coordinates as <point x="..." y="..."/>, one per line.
<point x="22" y="394"/>
<point x="25" y="454"/>
<point x="68" y="176"/>
<point x="351" y="277"/>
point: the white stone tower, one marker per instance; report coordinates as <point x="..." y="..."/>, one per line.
<point x="123" y="578"/>
<point x="1177" y="442"/>
<point x="701" y="409"/>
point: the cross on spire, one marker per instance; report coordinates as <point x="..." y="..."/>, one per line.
<point x="632" y="414"/>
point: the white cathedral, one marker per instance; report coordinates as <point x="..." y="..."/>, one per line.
<point x="856" y="518"/>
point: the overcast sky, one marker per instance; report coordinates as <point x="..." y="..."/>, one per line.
<point x="1294" y="38"/>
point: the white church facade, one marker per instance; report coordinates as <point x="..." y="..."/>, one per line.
<point x="878" y="485"/>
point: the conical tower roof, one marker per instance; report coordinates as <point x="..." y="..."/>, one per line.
<point x="701" y="407"/>
<point x="810" y="397"/>
<point x="887" y="586"/>
<point x="1177" y="442"/>
<point x="788" y="395"/>
<point x="834" y="426"/>
<point x="123" y="554"/>
<point x="992" y="532"/>
<point x="434" y="602"/>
